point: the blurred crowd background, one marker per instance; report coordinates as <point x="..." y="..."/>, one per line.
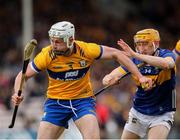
<point x="99" y="21"/>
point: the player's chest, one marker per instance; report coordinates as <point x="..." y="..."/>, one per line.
<point x="69" y="63"/>
<point x="150" y="70"/>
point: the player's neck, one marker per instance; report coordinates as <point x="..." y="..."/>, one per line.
<point x="69" y="51"/>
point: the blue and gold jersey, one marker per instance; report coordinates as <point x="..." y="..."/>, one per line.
<point x="161" y="98"/>
<point x="69" y="77"/>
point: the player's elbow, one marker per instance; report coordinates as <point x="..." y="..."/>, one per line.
<point x="165" y="65"/>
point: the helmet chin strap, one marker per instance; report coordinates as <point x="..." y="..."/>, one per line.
<point x="69" y="43"/>
<point x="136" y="49"/>
<point x="154" y="46"/>
<point x="155" y="49"/>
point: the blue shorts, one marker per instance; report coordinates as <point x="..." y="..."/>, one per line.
<point x="59" y="112"/>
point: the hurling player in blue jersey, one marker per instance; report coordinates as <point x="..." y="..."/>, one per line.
<point x="69" y="93"/>
<point x="152" y="113"/>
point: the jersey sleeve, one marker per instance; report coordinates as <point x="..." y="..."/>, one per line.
<point x="94" y="50"/>
<point x="124" y="70"/>
<point x="41" y="61"/>
<point x="169" y="54"/>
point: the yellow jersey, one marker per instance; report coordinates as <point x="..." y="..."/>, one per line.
<point x="177" y="48"/>
<point x="69" y="76"/>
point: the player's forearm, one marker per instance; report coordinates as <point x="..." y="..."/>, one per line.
<point x="154" y="61"/>
<point x="17" y="82"/>
<point x="124" y="60"/>
<point x="116" y="74"/>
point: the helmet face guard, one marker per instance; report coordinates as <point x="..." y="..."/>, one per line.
<point x="147" y="35"/>
<point x="63" y="30"/>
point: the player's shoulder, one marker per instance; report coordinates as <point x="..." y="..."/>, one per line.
<point x="46" y="49"/>
<point x="178" y="43"/>
<point x="84" y="44"/>
<point x="164" y="51"/>
<point x="178" y="46"/>
<point x="47" y="52"/>
<point x="81" y="44"/>
<point x="89" y="50"/>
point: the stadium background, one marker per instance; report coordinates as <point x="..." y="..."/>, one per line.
<point x="100" y="21"/>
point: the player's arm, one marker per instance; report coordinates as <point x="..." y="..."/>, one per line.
<point x="29" y="73"/>
<point x="39" y="63"/>
<point x="112" y="53"/>
<point x="163" y="63"/>
<point x="113" y="77"/>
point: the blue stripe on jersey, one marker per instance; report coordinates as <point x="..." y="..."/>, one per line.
<point x="101" y="51"/>
<point x="35" y="67"/>
<point x="69" y="75"/>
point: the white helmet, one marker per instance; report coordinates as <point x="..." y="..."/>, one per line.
<point x="63" y="30"/>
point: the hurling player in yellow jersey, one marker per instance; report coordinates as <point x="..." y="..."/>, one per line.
<point x="69" y="93"/>
<point x="153" y="111"/>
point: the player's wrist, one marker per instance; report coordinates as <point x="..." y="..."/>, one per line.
<point x="135" y="54"/>
<point x="139" y="76"/>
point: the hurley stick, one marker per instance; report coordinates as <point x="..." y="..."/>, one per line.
<point x="28" y="51"/>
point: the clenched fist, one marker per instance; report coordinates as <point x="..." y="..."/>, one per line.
<point x="16" y="99"/>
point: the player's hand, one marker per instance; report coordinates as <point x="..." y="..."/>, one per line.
<point x="146" y="83"/>
<point x="127" y="50"/>
<point x="16" y="100"/>
<point x="109" y="80"/>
